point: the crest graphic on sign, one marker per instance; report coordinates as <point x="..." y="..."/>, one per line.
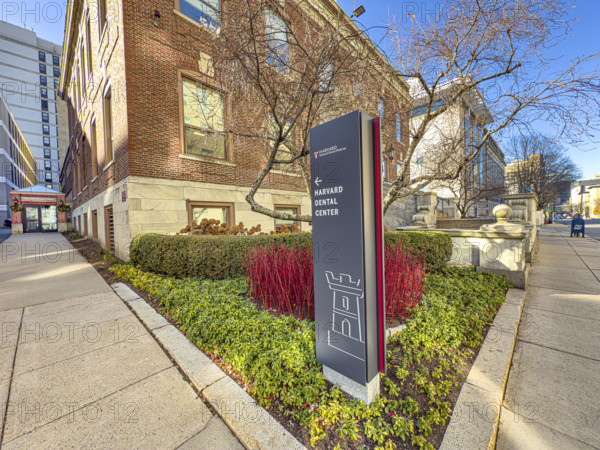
<point x="348" y="298"/>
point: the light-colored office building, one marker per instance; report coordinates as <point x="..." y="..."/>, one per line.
<point x="29" y="74"/>
<point x="16" y="161"/>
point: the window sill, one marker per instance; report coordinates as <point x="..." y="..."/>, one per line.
<point x="94" y="179"/>
<point x="198" y="24"/>
<point x="84" y="189"/>
<point x="285" y="172"/>
<point x="112" y="161"/>
<point x="208" y="160"/>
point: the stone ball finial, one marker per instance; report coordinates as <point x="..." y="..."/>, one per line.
<point x="502" y="213"/>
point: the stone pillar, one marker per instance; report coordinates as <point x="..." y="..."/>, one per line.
<point x="16" y="217"/>
<point x="426" y="215"/>
<point x="523" y="207"/>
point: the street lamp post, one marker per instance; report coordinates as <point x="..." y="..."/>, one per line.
<point x="581" y="192"/>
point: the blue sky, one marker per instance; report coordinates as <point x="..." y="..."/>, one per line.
<point x="584" y="40"/>
<point x="47" y="19"/>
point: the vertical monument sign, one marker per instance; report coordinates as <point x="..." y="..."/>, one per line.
<point x="348" y="252"/>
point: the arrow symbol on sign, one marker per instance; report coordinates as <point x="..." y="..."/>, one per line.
<point x="317" y="181"/>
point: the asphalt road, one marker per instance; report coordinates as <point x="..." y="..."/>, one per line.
<point x="4" y="234"/>
<point x="592" y="227"/>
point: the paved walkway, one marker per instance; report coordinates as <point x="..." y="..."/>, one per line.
<point x="77" y="368"/>
<point x="552" y="397"/>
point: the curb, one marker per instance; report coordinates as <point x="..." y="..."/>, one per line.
<point x="475" y="420"/>
<point x="249" y="422"/>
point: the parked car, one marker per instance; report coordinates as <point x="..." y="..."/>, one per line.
<point x="7" y="223"/>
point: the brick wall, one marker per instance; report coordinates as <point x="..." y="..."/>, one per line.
<point x="144" y="63"/>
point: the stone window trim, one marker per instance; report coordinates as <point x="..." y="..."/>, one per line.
<point x="206" y="81"/>
<point x="296" y="210"/>
<point x="191" y="204"/>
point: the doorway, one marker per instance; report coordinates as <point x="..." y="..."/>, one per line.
<point x="39" y="219"/>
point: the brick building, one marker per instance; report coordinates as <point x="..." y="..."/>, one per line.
<point x="138" y="161"/>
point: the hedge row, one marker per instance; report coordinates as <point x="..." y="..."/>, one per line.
<point x="222" y="257"/>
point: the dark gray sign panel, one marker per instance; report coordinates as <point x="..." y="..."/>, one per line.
<point x="345" y="246"/>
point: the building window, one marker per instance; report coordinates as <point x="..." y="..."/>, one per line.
<point x="108" y="128"/>
<point x="278" y="48"/>
<point x="380" y="108"/>
<point x="83" y="69"/>
<point x="44" y="92"/>
<point x="102" y="10"/>
<point x="420" y="160"/>
<point x="203" y="121"/>
<point x="223" y="212"/>
<point x="205" y="12"/>
<point x="55" y="60"/>
<point x="283" y="224"/>
<point x="45" y="117"/>
<point x="42" y="68"/>
<point x="94" y="150"/>
<point x="49" y="176"/>
<point x="47" y="165"/>
<point x="47" y="153"/>
<point x="398" y="127"/>
<point x="46" y="129"/>
<point x="43" y="80"/>
<point x="88" y="44"/>
<point x="55" y="84"/>
<point x="49" y="186"/>
<point x="45" y="105"/>
<point x="56" y="72"/>
<point x="326" y="77"/>
<point x="42" y="56"/>
<point x="47" y="141"/>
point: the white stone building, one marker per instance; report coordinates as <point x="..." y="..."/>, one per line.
<point x="446" y="140"/>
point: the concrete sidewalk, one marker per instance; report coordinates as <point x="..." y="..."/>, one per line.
<point x="77" y="368"/>
<point x="552" y="398"/>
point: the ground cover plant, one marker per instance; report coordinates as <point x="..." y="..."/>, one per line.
<point x="273" y="357"/>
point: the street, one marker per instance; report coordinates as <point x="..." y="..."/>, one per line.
<point x="592" y="227"/>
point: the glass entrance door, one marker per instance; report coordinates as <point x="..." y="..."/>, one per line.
<point x="32" y="219"/>
<point x="49" y="219"/>
<point x="40" y="218"/>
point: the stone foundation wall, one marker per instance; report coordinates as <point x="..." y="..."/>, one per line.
<point x="470" y="224"/>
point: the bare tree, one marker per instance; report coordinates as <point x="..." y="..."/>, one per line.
<point x="501" y="51"/>
<point x="295" y="65"/>
<point x="540" y="165"/>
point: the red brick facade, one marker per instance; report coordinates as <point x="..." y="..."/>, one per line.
<point x="143" y="59"/>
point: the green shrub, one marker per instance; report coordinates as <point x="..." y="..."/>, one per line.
<point x="222" y="257"/>
<point x="212" y="257"/>
<point x="436" y="245"/>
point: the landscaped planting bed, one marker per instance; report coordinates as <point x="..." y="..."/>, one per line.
<point x="273" y="356"/>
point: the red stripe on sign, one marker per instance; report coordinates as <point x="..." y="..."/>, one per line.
<point x="379" y="238"/>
